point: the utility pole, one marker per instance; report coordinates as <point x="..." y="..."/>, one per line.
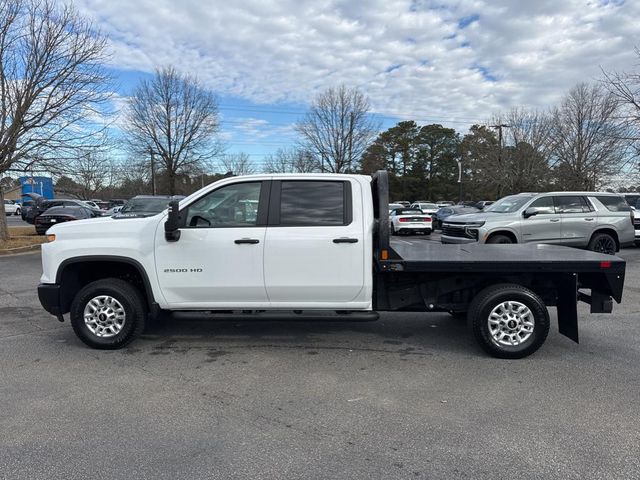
<point x="153" y="173"/>
<point x="351" y="115"/>
<point x="499" y="127"/>
<point x="459" y="161"/>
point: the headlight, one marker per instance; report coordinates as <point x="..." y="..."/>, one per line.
<point x="474" y="224"/>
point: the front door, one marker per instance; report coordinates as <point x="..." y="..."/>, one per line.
<point x="218" y="260"/>
<point x="545" y="226"/>
<point x="315" y="252"/>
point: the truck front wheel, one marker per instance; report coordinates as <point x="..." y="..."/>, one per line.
<point x="107" y="314"/>
<point x="509" y="320"/>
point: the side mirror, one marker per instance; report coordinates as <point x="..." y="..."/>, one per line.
<point x="530" y="212"/>
<point x="173" y="223"/>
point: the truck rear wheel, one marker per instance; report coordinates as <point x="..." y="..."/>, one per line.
<point x="509" y="320"/>
<point x="107" y="314"/>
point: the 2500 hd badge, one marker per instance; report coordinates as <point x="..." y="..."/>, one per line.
<point x="182" y="270"/>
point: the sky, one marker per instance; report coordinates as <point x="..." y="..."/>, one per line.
<point x="452" y="62"/>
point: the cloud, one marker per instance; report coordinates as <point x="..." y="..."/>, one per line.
<point x="461" y="59"/>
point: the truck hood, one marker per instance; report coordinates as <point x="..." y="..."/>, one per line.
<point x="103" y="227"/>
<point x="471" y="217"/>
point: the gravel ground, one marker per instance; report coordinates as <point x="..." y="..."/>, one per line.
<point x="409" y="396"/>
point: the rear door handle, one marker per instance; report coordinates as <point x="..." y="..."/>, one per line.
<point x="590" y="219"/>
<point x="246" y="240"/>
<point x="345" y="240"/>
<point x="554" y="220"/>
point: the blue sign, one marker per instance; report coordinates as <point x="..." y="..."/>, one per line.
<point x="40" y="185"/>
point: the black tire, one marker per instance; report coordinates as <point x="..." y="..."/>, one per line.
<point x="427" y="232"/>
<point x="129" y="298"/>
<point x="492" y="297"/>
<point x="393" y="230"/>
<point x="499" y="238"/>
<point x="602" y="243"/>
<point x="17" y="212"/>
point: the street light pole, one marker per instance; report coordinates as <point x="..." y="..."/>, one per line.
<point x="459" y="179"/>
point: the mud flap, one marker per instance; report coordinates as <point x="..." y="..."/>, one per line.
<point x="567" y="305"/>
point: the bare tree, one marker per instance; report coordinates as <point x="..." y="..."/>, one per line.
<point x="175" y="119"/>
<point x="52" y="86"/>
<point x="238" y="164"/>
<point x="290" y="160"/>
<point x="338" y="128"/>
<point x="587" y="140"/>
<point x="524" y="164"/>
<point x="625" y="87"/>
<point x="91" y="173"/>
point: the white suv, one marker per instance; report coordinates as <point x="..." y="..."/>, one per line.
<point x="11" y="207"/>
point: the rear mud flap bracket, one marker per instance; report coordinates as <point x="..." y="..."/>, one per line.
<point x="567" y="305"/>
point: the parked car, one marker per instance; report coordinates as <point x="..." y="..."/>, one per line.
<point x="61" y="214"/>
<point x="112" y="211"/>
<point x="41" y="205"/>
<point x="602" y="222"/>
<point x="444" y="204"/>
<point x="11" y="208"/>
<point x="146" y="205"/>
<point x="393" y="206"/>
<point x="410" y="220"/>
<point x="404" y="203"/>
<point x="484" y="204"/>
<point x="446" y="212"/>
<point x="426" y="207"/>
<point x="91" y="204"/>
<point x="633" y="199"/>
<point x="26" y="206"/>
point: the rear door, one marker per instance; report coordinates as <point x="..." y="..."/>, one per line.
<point x="579" y="219"/>
<point x="314" y="248"/>
<point x="545" y="226"/>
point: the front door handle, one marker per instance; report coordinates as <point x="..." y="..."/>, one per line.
<point x="345" y="240"/>
<point x="246" y="240"/>
<point x="590" y="219"/>
<point x="554" y="220"/>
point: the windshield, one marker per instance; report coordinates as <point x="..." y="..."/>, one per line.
<point x="145" y="206"/>
<point x="407" y="211"/>
<point x="509" y="204"/>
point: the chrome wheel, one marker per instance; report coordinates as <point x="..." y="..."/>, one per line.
<point x="511" y="323"/>
<point x="104" y="316"/>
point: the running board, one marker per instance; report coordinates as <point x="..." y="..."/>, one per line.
<point x="287" y="316"/>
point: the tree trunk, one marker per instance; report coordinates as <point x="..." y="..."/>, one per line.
<point x="4" y="229"/>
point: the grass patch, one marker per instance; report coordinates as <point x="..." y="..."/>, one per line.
<point x="22" y="231"/>
<point x="21" y="237"/>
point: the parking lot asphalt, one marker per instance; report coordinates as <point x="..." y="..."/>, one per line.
<point x="16" y="221"/>
<point x="408" y="396"/>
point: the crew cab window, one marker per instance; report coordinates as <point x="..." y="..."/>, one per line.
<point x="571" y="204"/>
<point x="234" y="205"/>
<point x="314" y="203"/>
<point x="543" y="205"/>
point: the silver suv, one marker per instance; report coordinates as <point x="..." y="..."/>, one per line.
<point x="602" y="222"/>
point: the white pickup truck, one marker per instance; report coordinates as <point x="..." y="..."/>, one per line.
<point x="308" y="247"/>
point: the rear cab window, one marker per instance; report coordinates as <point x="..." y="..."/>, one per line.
<point x="310" y="203"/>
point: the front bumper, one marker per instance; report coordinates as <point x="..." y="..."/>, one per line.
<point x="457" y="240"/>
<point x="49" y="296"/>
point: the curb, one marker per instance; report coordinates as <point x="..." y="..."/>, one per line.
<point x="12" y="251"/>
